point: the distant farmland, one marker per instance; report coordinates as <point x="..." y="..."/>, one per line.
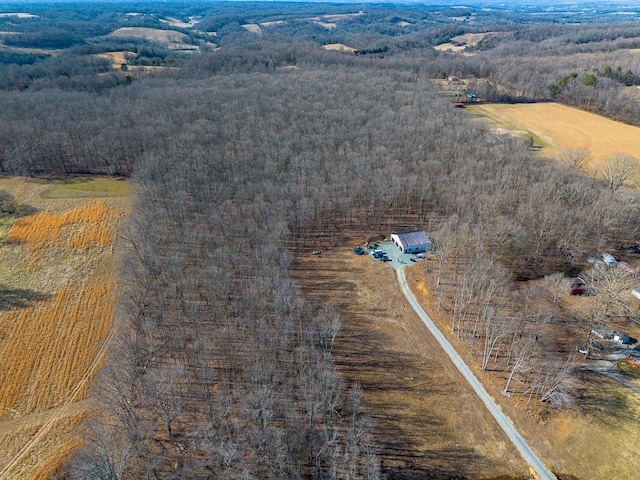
<point x="557" y="127"/>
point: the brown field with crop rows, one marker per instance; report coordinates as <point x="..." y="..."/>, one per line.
<point x="58" y="292"/>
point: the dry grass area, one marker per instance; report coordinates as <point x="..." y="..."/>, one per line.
<point x="57" y="297"/>
<point x="426" y="419"/>
<point x="175" y="22"/>
<point x="170" y="38"/>
<point x="592" y="440"/>
<point x="339" y="47"/>
<point x="117" y="58"/>
<point x="275" y="23"/>
<point x="461" y="42"/>
<point x="326" y="25"/>
<point x="450" y="47"/>
<point x="252" y="27"/>
<point x="471" y="38"/>
<point x="557" y="127"/>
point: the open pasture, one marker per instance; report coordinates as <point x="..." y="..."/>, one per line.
<point x="117" y="58"/>
<point x="339" y="47"/>
<point x="557" y="127"/>
<point x="58" y="292"/>
<point x="169" y="38"/>
<point x="460" y="43"/>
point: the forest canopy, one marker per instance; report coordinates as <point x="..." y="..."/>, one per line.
<point x="249" y="142"/>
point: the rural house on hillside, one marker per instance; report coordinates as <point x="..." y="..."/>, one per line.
<point x="415" y="241"/>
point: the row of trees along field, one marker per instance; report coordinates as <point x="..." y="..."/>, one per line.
<point x="220" y="368"/>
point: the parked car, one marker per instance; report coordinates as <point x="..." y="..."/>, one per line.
<point x="574" y="285"/>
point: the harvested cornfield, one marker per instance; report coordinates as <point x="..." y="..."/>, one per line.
<point x="58" y="289"/>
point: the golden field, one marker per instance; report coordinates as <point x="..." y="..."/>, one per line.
<point x="556" y="127"/>
<point x="58" y="290"/>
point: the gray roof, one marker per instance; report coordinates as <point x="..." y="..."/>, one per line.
<point x="413" y="238"/>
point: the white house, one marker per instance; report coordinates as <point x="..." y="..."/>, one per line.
<point x="622" y="337"/>
<point x="415" y="241"/>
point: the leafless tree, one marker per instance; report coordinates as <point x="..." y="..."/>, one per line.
<point x="495" y="329"/>
<point x="552" y="382"/>
<point x="106" y="454"/>
<point x="577" y="158"/>
<point x="612" y="287"/>
<point x="618" y="170"/>
<point x="553" y="287"/>
<point x="522" y="363"/>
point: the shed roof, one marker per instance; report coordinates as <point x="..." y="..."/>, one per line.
<point x="413" y="238"/>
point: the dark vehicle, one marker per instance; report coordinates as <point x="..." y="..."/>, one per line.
<point x="358" y="251"/>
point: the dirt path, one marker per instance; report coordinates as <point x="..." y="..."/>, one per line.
<point x="70" y="407"/>
<point x="521" y="444"/>
<point x="40" y="417"/>
<point x="426" y="420"/>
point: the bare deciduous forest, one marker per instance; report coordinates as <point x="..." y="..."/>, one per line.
<point x="258" y="147"/>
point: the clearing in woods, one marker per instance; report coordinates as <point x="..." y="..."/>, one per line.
<point x="57" y="297"/>
<point x="340" y="47"/>
<point x="461" y="42"/>
<point x="117" y="58"/>
<point x="426" y="420"/>
<point x="169" y="38"/>
<point x="557" y="127"/>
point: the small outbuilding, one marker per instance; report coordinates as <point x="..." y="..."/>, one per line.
<point x="415" y="241"/>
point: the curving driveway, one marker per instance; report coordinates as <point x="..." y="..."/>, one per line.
<point x="536" y="465"/>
